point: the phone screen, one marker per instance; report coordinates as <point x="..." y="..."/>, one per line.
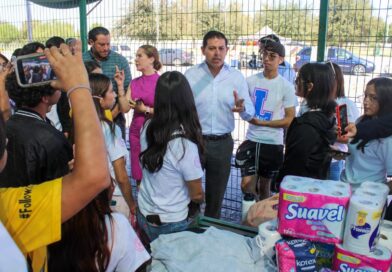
<point x="342" y="118"/>
<point x="34" y="70"/>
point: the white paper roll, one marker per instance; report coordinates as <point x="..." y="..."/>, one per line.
<point x="376" y="187"/>
<point x="363" y="218"/>
<point x="269" y="235"/>
<point x="381" y="253"/>
<point x="386" y="234"/>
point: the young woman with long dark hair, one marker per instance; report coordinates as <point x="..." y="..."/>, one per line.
<point x="370" y="160"/>
<point x="96" y="239"/>
<point x="309" y="136"/>
<point x="171" y="144"/>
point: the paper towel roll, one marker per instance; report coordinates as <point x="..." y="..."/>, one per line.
<point x="376" y="187"/>
<point x="269" y="235"/>
<point x="386" y="234"/>
<point x="362" y="221"/>
<point x="379" y="260"/>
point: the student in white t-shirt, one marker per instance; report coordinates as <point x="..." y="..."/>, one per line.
<point x="171" y="145"/>
<point x="96" y="239"/>
<point x="370" y="160"/>
<point x="274" y="101"/>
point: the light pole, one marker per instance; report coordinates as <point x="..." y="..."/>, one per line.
<point x="29" y="21"/>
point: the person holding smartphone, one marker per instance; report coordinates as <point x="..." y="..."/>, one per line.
<point x="309" y="136"/>
<point x="349" y="112"/>
<point x="142" y="91"/>
<point x="371" y="162"/>
<point x="37" y="150"/>
<point x="172" y="150"/>
<point x="33" y="214"/>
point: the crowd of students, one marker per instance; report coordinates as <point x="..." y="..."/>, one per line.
<point x="57" y="186"/>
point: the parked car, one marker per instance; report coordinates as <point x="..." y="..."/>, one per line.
<point x="123" y="50"/>
<point x="348" y="62"/>
<point x="169" y="56"/>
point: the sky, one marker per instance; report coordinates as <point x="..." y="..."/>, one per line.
<point x="109" y="10"/>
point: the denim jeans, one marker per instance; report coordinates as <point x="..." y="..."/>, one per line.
<point x="154" y="231"/>
<point x="335" y="170"/>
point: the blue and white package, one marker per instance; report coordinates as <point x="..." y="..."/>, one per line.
<point x="297" y="255"/>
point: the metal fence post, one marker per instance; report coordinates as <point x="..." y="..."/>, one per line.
<point x="83" y="24"/>
<point x="323" y="29"/>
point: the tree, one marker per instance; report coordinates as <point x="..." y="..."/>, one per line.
<point x="8" y="33"/>
<point x="140" y="22"/>
<point x="352" y="21"/>
<point x="44" y="30"/>
<point x="290" y="20"/>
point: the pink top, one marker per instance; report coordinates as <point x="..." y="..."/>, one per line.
<point x="143" y="88"/>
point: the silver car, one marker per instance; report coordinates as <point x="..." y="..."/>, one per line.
<point x="175" y="57"/>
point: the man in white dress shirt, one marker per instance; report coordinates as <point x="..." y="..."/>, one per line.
<point x="219" y="91"/>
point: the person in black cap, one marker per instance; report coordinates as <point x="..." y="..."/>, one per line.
<point x="285" y="69"/>
<point x="274" y="100"/>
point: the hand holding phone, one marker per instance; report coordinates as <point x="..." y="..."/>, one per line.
<point x="33" y="70"/>
<point x="341" y="114"/>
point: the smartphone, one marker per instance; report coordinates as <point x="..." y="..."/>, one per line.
<point x="33" y="70"/>
<point x="341" y="114"/>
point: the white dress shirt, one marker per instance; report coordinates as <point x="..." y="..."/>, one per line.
<point x="214" y="97"/>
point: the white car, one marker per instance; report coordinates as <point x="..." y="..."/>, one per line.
<point x="123" y="50"/>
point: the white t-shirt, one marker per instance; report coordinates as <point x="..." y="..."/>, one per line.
<point x="165" y="192"/>
<point x="54" y="117"/>
<point x="373" y="165"/>
<point x="116" y="149"/>
<point x="127" y="252"/>
<point x="270" y="98"/>
<point x="11" y="258"/>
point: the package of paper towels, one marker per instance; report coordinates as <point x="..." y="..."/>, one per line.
<point x="313" y="209"/>
<point x="363" y="222"/>
<point x="377" y="261"/>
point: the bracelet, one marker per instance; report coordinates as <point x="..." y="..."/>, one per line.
<point x="81" y="86"/>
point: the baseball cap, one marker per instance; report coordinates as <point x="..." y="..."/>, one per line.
<point x="272" y="43"/>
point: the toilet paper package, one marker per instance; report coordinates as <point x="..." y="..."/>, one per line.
<point x="362" y="223"/>
<point x="386" y="234"/>
<point x="313" y="209"/>
<point x="295" y="255"/>
<point x="269" y="236"/>
<point x="346" y="261"/>
<point x="380" y="189"/>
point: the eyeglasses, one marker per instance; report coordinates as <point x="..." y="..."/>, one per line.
<point x="269" y="55"/>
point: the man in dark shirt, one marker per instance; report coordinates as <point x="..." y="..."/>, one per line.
<point x="100" y="51"/>
<point x="37" y="151"/>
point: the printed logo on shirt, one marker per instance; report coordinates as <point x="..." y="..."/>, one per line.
<point x="25" y="203"/>
<point x="261" y="95"/>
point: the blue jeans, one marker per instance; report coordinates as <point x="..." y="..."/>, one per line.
<point x="335" y="170"/>
<point x="154" y="231"/>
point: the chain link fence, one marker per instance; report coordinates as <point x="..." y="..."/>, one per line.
<point x="357" y="37"/>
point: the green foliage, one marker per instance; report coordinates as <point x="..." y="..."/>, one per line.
<point x="352" y="21"/>
<point x="290" y="20"/>
<point x="44" y="30"/>
<point x="8" y="33"/>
